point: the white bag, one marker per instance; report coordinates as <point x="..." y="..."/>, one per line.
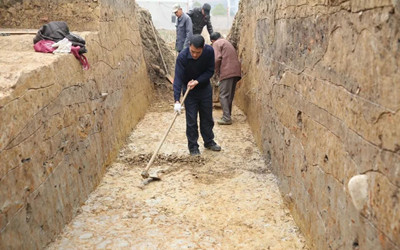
<point x="63" y="46"/>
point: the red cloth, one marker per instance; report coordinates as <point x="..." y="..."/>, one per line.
<point x="81" y="58"/>
<point x="44" y="46"/>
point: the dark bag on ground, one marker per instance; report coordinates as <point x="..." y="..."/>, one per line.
<point x="77" y="41"/>
<point x="58" y="30"/>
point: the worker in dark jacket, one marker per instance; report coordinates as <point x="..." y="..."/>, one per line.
<point x="183" y="28"/>
<point x="201" y="17"/>
<point x="194" y="68"/>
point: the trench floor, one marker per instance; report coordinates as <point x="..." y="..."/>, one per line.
<point x="219" y="200"/>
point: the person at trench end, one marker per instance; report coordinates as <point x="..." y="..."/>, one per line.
<point x="200" y="18"/>
<point x="184" y="28"/>
<point x="227" y="68"/>
<point x="194" y="68"/>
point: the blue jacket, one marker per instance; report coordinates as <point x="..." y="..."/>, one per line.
<point x="187" y="69"/>
<point x="184" y="30"/>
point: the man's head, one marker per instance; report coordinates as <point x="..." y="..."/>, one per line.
<point x="206" y="9"/>
<point x="177" y="10"/>
<point x="215" y="36"/>
<point x="196" y="46"/>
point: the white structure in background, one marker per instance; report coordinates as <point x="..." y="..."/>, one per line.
<point x="161" y="11"/>
<point x="163" y="18"/>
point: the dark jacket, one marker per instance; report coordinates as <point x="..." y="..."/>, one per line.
<point x="187" y="69"/>
<point x="199" y="21"/>
<point x="54" y="31"/>
<point x="184" y="31"/>
<point x="227" y="64"/>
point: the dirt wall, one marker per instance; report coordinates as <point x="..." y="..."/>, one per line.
<point x="61" y="126"/>
<point x="159" y="58"/>
<point x="321" y="91"/>
<point x="32" y="14"/>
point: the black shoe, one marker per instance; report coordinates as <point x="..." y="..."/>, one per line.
<point x="214" y="147"/>
<point x="194" y="152"/>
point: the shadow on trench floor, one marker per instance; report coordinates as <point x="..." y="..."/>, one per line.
<point x="219" y="200"/>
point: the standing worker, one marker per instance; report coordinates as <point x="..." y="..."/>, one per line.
<point x="201" y="17"/>
<point x="184" y="28"/>
<point x="227" y="68"/>
<point x="194" y="68"/>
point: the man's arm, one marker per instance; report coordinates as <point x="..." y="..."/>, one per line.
<point x="189" y="31"/>
<point x="190" y="13"/>
<point x="209" y="26"/>
<point x="218" y="57"/>
<point x="178" y="80"/>
<point x="209" y="72"/>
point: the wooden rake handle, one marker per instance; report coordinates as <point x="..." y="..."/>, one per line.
<point x="145" y="173"/>
<point x="158" y="46"/>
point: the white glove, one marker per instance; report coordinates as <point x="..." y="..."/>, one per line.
<point x="177" y="108"/>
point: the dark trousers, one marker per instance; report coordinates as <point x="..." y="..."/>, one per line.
<point x="226" y="93"/>
<point x="199" y="102"/>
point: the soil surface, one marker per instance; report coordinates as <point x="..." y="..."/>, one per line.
<point x="219" y="200"/>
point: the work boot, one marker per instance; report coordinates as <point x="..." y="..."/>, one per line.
<point x="214" y="147"/>
<point x="222" y="121"/>
<point x="194" y="152"/>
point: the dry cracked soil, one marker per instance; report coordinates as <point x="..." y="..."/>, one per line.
<point x="219" y="200"/>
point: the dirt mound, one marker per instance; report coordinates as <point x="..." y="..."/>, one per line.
<point x="154" y="59"/>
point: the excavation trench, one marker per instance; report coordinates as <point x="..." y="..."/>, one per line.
<point x="320" y="92"/>
<point x="220" y="200"/>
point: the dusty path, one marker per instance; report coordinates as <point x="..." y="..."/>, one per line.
<point x="220" y="200"/>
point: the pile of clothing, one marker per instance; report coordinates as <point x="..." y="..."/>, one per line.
<point x="55" y="37"/>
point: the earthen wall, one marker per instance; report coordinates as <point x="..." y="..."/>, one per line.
<point x="61" y="126"/>
<point x="32" y="14"/>
<point x="321" y="90"/>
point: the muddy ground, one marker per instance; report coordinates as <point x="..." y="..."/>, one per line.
<point x="219" y="200"/>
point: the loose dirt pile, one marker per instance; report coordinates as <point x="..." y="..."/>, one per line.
<point x="220" y="200"/>
<point x="154" y="58"/>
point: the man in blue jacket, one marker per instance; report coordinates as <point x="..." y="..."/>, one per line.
<point x="184" y="28"/>
<point x="194" y="68"/>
